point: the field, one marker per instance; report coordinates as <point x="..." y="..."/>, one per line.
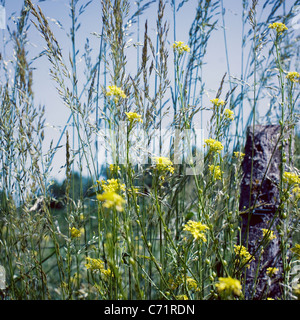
<point x="140" y="193"/>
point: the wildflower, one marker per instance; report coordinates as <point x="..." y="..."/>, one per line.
<point x="242" y="255"/>
<point x="291" y="178"/>
<point x="111" y="200"/>
<point x="293" y="76"/>
<point x="163" y="164"/>
<point x="173" y="283"/>
<point x="217" y="102"/>
<point x="113" y="185"/>
<point x="191" y="283"/>
<point x="239" y="155"/>
<point x="197" y="229"/>
<point x="180" y="47"/>
<point x="229" y="286"/>
<point x="182" y="297"/>
<point x="97" y="265"/>
<point x="94" y="264"/>
<point x="106" y="272"/>
<point x="133" y="190"/>
<point x="279" y="27"/>
<point x="75" y="233"/>
<point x="215" y="171"/>
<point x="214" y="145"/>
<point x="134" y="117"/>
<point x="296" y="192"/>
<point x="269" y="234"/>
<point x="229" y="114"/>
<point x="114" y="168"/>
<point x="272" y="271"/>
<point x="296" y="250"/>
<point x="116" y="92"/>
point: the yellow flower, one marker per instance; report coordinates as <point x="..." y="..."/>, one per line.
<point x="75" y="233"/>
<point x="181" y="47"/>
<point x="293" y="76"/>
<point x="272" y="271"/>
<point x="182" y="297"/>
<point x="229" y="286"/>
<point x="163" y="164"/>
<point x="215" y="171"/>
<point x="191" y="284"/>
<point x="111" y="200"/>
<point x="97" y="265"/>
<point x="243" y="257"/>
<point x="116" y="92"/>
<point x="239" y="155"/>
<point x="296" y="192"/>
<point x="134" y="117"/>
<point x="94" y="264"/>
<point x="296" y="250"/>
<point x="114" y="168"/>
<point x="278" y="26"/>
<point x="229" y="114"/>
<point x="197" y="229"/>
<point x="217" y="102"/>
<point x="269" y="234"/>
<point x="214" y="145"/>
<point x="291" y="178"/>
<point x="112" y="185"/>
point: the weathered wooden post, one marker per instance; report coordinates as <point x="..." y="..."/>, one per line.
<point x="261" y="196"/>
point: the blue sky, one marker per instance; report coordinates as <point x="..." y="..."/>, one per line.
<point x="58" y="10"/>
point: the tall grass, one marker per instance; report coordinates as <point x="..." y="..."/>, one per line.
<point x="144" y="227"/>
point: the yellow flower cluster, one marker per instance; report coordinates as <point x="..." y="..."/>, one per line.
<point x="214" y="145"/>
<point x="182" y="297"/>
<point x="97" y="265"/>
<point x="134" y="117"/>
<point x="197" y="229"/>
<point x="269" y="234"/>
<point x="217" y="102"/>
<point x="116" y="92"/>
<point x="296" y="192"/>
<point x="296" y="250"/>
<point x="291" y="178"/>
<point x="272" y="271"/>
<point x="243" y="257"/>
<point x="111" y="200"/>
<point x="163" y="164"/>
<point x="293" y="76"/>
<point x="239" y="155"/>
<point x="113" y="185"/>
<point x="278" y="26"/>
<point x="191" y="283"/>
<point x="75" y="233"/>
<point x="180" y="47"/>
<point x="114" y="168"/>
<point x="229" y="114"/>
<point x="215" y="171"/>
<point x="229" y="286"/>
